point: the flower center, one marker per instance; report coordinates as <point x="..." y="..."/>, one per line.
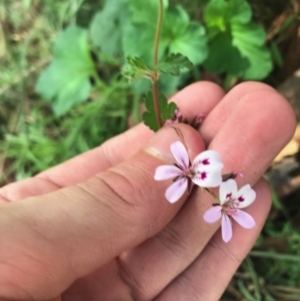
<point x="229" y="210"/>
<point x="230" y="207"/>
<point x="188" y="173"/>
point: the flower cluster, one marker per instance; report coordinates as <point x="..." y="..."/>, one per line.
<point x="205" y="171"/>
<point x="231" y="201"/>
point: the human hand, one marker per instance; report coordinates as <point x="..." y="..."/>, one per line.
<point x="98" y="227"/>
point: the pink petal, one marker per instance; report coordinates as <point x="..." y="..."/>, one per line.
<point x="180" y="154"/>
<point x="213" y="214"/>
<point x="227" y="188"/>
<point x="245" y="196"/>
<point x="165" y="172"/>
<point x="176" y="190"/>
<point x="208" y="177"/>
<point x="226" y="228"/>
<point x="207" y="158"/>
<point x="244" y="219"/>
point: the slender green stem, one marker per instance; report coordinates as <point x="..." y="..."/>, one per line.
<point x="155" y="60"/>
<point x="254" y="279"/>
<point x="156" y="103"/>
<point x="213" y="195"/>
<point x="157" y="34"/>
<point x="278" y="256"/>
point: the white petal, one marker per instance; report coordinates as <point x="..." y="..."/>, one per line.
<point x="227" y="188"/>
<point x="180" y="154"/>
<point x="226" y="228"/>
<point x="176" y="190"/>
<point x="245" y="196"/>
<point x="207" y="158"/>
<point x="211" y="177"/>
<point x="165" y="172"/>
<point x="213" y="214"/>
<point x="244" y="219"/>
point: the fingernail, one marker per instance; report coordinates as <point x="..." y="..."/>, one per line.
<point x="159" y="144"/>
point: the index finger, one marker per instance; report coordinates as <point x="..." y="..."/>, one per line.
<point x="200" y="97"/>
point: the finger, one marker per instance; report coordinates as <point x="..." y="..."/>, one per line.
<point x="209" y="275"/>
<point x="218" y="116"/>
<point x="82" y="167"/>
<point x="197" y="98"/>
<point x="247" y="142"/>
<point x="255" y="132"/>
<point x="200" y="97"/>
<point x="71" y="232"/>
<point x="204" y="95"/>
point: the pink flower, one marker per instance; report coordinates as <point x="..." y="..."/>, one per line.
<point x="231" y="201"/>
<point x="204" y="171"/>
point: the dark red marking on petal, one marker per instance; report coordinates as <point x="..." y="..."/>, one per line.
<point x="176" y="178"/>
<point x="177" y="165"/>
<point x="241" y="199"/>
<point x="228" y="195"/>
<point x="203" y="175"/>
<point x="205" y="162"/>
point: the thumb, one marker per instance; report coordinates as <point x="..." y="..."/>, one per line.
<point x="47" y="242"/>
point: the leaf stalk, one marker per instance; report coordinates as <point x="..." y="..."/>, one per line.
<point x="155" y="61"/>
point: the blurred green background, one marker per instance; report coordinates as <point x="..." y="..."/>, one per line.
<point x="62" y="92"/>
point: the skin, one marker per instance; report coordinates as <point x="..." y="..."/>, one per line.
<point x="98" y="227"/>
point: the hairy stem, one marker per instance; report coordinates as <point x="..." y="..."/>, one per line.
<point x="158" y="29"/>
<point x="155" y="60"/>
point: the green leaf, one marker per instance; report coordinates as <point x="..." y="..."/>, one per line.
<point x="168" y="84"/>
<point x="66" y="80"/>
<point x="176" y="22"/>
<point x="145" y="11"/>
<point x="191" y="44"/>
<point x="276" y="55"/>
<point x="250" y="39"/>
<point x="166" y="111"/>
<point x="139" y="33"/>
<point x="107" y="26"/>
<point x="173" y="63"/>
<point x="138" y="40"/>
<point x="228" y="60"/>
<point x="137" y="68"/>
<point x="178" y="35"/>
<point x="236" y="45"/>
<point x="183" y="36"/>
<point x="137" y="62"/>
<point x="219" y="13"/>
